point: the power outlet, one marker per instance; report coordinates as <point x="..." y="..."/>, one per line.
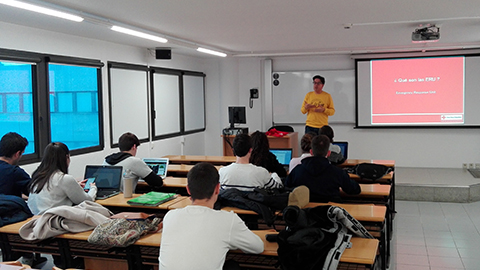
<point x="465" y="166"/>
<point x="477" y="165"/>
<point x="470" y="165"/>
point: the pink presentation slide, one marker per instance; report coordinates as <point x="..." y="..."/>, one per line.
<point x="427" y="90"/>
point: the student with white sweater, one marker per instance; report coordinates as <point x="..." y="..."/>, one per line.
<point x="51" y="184"/>
<point x="199" y="237"/>
<point x="242" y="174"/>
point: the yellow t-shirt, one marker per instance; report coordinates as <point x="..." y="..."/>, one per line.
<point x="317" y="119"/>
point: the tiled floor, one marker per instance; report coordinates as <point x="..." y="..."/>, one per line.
<point x="436" y="236"/>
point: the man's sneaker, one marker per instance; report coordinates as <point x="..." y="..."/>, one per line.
<point x="300" y="196"/>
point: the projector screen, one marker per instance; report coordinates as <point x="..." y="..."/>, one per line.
<point x="442" y="91"/>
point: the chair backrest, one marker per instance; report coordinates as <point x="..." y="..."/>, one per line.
<point x="282" y="128"/>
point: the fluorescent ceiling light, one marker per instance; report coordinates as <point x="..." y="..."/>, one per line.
<point x="138" y="34"/>
<point x="211" y="52"/>
<point x="42" y="10"/>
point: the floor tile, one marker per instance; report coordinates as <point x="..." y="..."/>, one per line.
<point x="471" y="264"/>
<point x="412" y="259"/>
<point x="442" y="252"/>
<point x="445" y="262"/>
<point x="411" y="249"/>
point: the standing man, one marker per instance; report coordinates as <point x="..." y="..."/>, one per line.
<point x="128" y="144"/>
<point x="199" y="237"/>
<point x="13" y="179"/>
<point x="318" y="105"/>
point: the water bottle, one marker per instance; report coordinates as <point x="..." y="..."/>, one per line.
<point x="127" y="184"/>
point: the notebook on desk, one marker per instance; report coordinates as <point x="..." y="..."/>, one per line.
<point x="107" y="179"/>
<point x="158" y="165"/>
<point x="284" y="155"/>
<point x="152" y="199"/>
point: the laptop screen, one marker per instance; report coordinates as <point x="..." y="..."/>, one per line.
<point x="343" y="147"/>
<point x="106" y="177"/>
<point x="283" y="155"/>
<point x="158" y="165"/>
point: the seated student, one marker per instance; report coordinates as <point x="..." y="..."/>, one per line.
<point x="199" y="237"/>
<point x="13" y="179"/>
<point x="335" y="156"/>
<point x="305" y="145"/>
<point x="242" y="174"/>
<point x="128" y="144"/>
<point x="51" y="184"/>
<point x="322" y="178"/>
<point x="261" y="155"/>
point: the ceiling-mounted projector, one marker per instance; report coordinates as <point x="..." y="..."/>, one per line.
<point x="426" y="33"/>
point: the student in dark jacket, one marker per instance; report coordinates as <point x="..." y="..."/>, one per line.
<point x="133" y="167"/>
<point x="261" y="155"/>
<point x="322" y="178"/>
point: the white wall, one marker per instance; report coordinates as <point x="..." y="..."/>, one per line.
<point x="35" y="40"/>
<point x="228" y="82"/>
<point x="438" y="148"/>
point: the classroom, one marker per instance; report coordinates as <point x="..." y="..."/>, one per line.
<point x="417" y="152"/>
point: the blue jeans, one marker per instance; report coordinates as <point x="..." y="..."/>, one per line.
<point x="308" y="129"/>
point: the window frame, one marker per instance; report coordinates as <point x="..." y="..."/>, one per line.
<point x="41" y="102"/>
<point x="165" y="71"/>
<point x="202" y="75"/>
<point x="126" y="66"/>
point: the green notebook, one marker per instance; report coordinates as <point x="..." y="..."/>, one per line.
<point x="152" y="198"/>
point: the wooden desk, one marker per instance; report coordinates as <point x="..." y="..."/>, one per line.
<point x="361" y="212"/>
<point x="353" y="162"/>
<point x="288" y="141"/>
<point x="363" y="251"/>
<point x="182" y="169"/>
<point x="369" y="191"/>
<point x="385" y="179"/>
<point x="118" y="201"/>
<point x="193" y="159"/>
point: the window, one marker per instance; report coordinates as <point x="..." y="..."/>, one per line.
<point x="74" y="115"/>
<point x="194" y="100"/>
<point x="178" y="102"/>
<point x="128" y="88"/>
<point x="166" y="104"/>
<point x="49" y="98"/>
<point x="174" y="106"/>
<point x="16" y="101"/>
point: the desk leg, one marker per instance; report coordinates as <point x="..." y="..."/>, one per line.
<point x="134" y="257"/>
<point x="7" y="254"/>
<point x="65" y="254"/>
<point x="383" y="250"/>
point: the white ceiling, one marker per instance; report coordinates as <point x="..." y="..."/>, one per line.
<point x="268" y="27"/>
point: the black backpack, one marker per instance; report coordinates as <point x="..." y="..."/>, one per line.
<point x="304" y="244"/>
<point x="370" y="171"/>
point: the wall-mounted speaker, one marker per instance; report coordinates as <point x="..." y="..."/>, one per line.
<point x="163" y="54"/>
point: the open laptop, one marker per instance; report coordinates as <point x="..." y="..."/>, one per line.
<point x="343" y="147"/>
<point x="158" y="165"/>
<point x="284" y="155"/>
<point x="107" y="179"/>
